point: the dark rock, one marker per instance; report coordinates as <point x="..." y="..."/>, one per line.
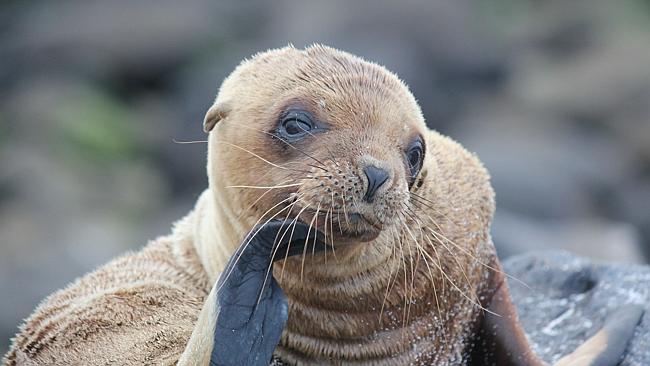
<point x="569" y="298"/>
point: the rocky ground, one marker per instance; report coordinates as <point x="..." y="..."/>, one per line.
<point x="553" y="96"/>
<point x="568" y="299"/>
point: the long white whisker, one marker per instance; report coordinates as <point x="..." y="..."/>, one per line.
<point x="245" y="245"/>
<point x="269" y="187"/>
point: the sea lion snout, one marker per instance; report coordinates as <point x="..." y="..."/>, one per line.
<point x="376" y="177"/>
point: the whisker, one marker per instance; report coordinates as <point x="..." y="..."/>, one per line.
<point x="295" y="222"/>
<point x="245" y="245"/>
<point x="416" y="198"/>
<point x="405" y="290"/>
<point x="275" y="246"/>
<point x="332" y="234"/>
<point x="189" y="142"/>
<point x="466" y="251"/>
<point x="325" y="229"/>
<point x="304" y="250"/>
<point x="268" y="187"/>
<point x="462" y="268"/>
<point x="331" y="156"/>
<point x="261" y="158"/>
<point x="412" y="272"/>
<point x="462" y="293"/>
<point x="420" y="250"/>
<point x="390" y="276"/>
<point x="288" y="144"/>
<point x="245" y="211"/>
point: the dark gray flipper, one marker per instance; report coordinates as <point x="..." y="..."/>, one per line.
<point x="619" y="329"/>
<point x="251" y="311"/>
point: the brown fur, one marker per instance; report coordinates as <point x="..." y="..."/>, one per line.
<point x="433" y="253"/>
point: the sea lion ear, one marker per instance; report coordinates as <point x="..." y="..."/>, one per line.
<point x="215" y="114"/>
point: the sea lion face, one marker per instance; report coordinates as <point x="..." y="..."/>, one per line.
<point x="319" y="136"/>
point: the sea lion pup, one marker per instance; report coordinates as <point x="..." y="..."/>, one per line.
<point x="409" y="275"/>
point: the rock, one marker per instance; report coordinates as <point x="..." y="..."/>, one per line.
<point x="569" y="298"/>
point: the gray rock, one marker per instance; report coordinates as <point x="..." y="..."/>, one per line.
<point x="569" y="298"/>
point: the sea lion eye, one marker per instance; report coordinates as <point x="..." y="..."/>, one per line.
<point x="295" y="125"/>
<point x="414" y="157"/>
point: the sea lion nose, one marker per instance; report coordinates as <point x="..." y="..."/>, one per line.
<point x="376" y="178"/>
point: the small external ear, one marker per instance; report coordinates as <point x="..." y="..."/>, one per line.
<point x="215" y="114"/>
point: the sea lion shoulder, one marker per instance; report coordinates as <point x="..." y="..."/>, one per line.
<point x="139" y="308"/>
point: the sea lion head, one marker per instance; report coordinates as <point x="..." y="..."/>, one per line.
<point x="317" y="134"/>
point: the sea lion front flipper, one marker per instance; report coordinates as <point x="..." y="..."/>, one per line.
<point x="252" y="308"/>
<point x="606" y="347"/>
<point x="502" y="339"/>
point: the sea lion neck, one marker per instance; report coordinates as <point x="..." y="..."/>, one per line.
<point x="219" y="229"/>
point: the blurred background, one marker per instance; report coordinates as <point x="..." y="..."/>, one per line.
<point x="554" y="96"/>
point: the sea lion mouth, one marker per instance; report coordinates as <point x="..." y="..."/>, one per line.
<point x="343" y="227"/>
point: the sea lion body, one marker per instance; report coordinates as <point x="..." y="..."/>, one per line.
<point x="411" y="277"/>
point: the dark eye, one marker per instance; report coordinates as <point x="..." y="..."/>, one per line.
<point x="295" y="125"/>
<point x="414" y="157"/>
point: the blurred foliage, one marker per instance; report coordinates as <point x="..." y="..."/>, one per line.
<point x="95" y="126"/>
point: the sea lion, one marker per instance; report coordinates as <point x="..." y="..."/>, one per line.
<point x="408" y="273"/>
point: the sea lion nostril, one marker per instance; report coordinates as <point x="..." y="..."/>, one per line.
<point x="376" y="178"/>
